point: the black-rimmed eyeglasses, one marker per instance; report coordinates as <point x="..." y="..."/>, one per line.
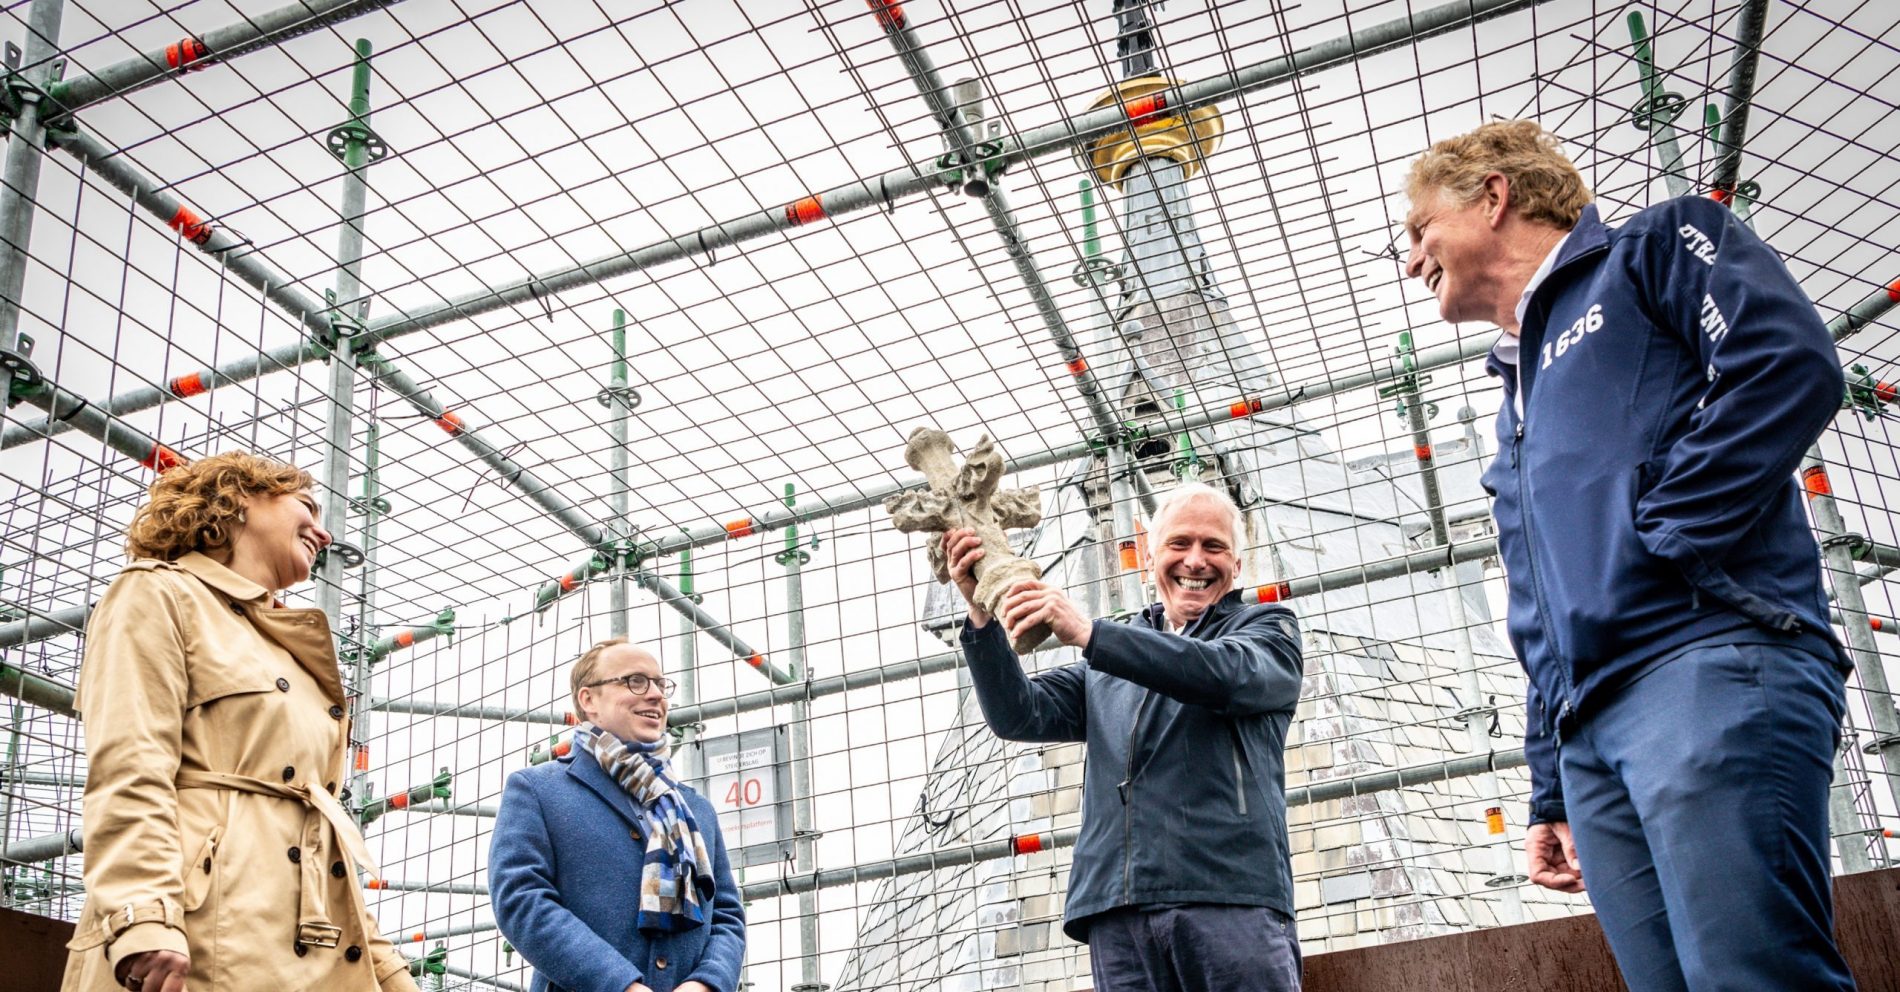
<point x="637" y="684"/>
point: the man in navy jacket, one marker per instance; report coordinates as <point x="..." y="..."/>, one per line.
<point x="1180" y="878"/>
<point x="1662" y="380"/>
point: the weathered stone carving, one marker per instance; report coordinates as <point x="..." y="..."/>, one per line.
<point x="968" y="497"/>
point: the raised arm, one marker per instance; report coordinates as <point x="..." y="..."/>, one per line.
<point x="1048" y="708"/>
<point x="1251" y="670"/>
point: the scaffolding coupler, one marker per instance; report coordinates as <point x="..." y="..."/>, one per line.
<point x="556" y="746"/>
<point x="345" y="324"/>
<point x="1407" y="381"/>
<point x="554" y="589"/>
<point x="16" y="363"/>
<point x="792" y="552"/>
<point x="1868" y="396"/>
<point x="442" y="626"/>
<point x="436" y="963"/>
<point x="435" y="788"/>
<point x="1658" y="108"/>
<point x="977" y="174"/>
<point x="1093" y="270"/>
<point x="1187" y="462"/>
<point x="1127" y="436"/>
<point x="626" y="396"/>
<point x="351" y="555"/>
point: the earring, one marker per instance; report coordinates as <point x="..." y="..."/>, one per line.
<point x="240" y="516"/>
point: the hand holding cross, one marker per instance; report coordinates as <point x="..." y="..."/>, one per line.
<point x="968" y="497"/>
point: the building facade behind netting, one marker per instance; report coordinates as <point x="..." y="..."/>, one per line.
<point x="595" y="320"/>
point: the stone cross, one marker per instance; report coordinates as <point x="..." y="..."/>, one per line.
<point x="968" y="497"/>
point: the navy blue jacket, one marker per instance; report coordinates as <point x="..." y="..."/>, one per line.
<point x="1184" y="790"/>
<point x="1673" y="375"/>
<point x="564" y="879"/>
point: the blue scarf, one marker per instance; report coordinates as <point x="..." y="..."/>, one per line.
<point x="676" y="883"/>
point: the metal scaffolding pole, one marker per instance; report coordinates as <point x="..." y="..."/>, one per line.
<point x="1125" y="557"/>
<point x="964" y="140"/>
<point x="1741" y="95"/>
<point x="538" y="492"/>
<point x="1476" y="712"/>
<point x="718" y="631"/>
<point x="25" y="147"/>
<point x="1658" y="111"/>
<point x="689" y="661"/>
<point x="223" y="44"/>
<point x="351" y="142"/>
<point x="878" y="192"/>
<point x="1837" y="544"/>
<point x="619" y="398"/>
<point x="40" y="625"/>
<point x="1869" y="309"/>
<point x="44" y="848"/>
<point x="40" y="691"/>
<point x="804" y="834"/>
<point x="69" y="409"/>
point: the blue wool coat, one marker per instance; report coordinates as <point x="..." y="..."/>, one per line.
<point x="564" y="878"/>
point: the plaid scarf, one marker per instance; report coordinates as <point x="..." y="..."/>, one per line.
<point x="676" y="883"/>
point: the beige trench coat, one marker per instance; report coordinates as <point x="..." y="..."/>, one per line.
<point x="216" y="738"/>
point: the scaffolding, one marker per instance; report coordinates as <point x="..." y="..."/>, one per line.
<point x="596" y="321"/>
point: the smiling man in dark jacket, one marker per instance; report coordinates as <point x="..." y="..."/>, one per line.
<point x="1661" y="382"/>
<point x="1181" y="878"/>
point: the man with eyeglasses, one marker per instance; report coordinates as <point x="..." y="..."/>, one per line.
<point x="606" y="872"/>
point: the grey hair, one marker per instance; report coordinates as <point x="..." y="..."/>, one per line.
<point x="1184" y="493"/>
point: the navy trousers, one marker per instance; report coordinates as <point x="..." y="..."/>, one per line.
<point x="1697" y="798"/>
<point x="1199" y="948"/>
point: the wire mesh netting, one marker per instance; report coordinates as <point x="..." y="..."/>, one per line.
<point x="640" y="304"/>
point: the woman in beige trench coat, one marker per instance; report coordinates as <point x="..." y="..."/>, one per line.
<point x="216" y="854"/>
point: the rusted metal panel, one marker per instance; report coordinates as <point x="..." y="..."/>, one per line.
<point x="32" y="951"/>
<point x="1867" y="921"/>
<point x="1571" y="954"/>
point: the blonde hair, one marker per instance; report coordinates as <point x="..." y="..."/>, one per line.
<point x="191" y="507"/>
<point x="1545" y="186"/>
<point x="584" y="670"/>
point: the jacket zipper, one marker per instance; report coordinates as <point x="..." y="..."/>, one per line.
<point x="1240" y="778"/>
<point x="1127" y="789"/>
<point x="1537" y="589"/>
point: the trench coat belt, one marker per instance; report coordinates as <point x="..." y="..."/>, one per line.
<point x="313" y="923"/>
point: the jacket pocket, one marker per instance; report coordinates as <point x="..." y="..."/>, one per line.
<point x="1240" y="769"/>
<point x="202" y="871"/>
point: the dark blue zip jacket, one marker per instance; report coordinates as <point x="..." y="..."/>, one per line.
<point x="1673" y="376"/>
<point x="1184" y="790"/>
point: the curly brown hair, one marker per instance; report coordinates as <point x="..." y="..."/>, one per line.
<point x="193" y="505"/>
<point x="1545" y="186"/>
